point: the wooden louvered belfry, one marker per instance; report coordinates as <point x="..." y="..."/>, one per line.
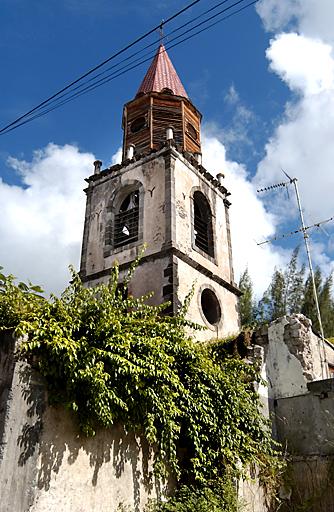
<point x="161" y="102"/>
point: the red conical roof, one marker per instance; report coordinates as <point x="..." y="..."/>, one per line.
<point x="162" y="75"/>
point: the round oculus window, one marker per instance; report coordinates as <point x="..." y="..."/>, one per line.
<point x="210" y="306"/>
<point x="138" y="124"/>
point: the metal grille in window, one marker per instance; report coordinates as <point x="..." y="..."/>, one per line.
<point x="202" y="224"/>
<point x="127" y="221"/>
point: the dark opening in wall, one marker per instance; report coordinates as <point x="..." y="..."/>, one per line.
<point x="203" y="224"/>
<point x="210" y="306"/>
<point x="127" y="220"/>
<point x="167" y="91"/>
<point x="138" y="124"/>
<point x="192" y="131"/>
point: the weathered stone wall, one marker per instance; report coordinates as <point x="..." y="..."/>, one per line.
<point x="306" y="422"/>
<point x="46" y="465"/>
<point x="252" y="496"/>
<point x="172" y="262"/>
<point x="310" y="484"/>
<point x="292" y="356"/>
<point x="302" y="405"/>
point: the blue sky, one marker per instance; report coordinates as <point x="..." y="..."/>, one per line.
<point x="47" y="44"/>
<point x="261" y="79"/>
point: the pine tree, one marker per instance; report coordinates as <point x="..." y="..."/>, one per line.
<point x="246" y="301"/>
<point x="326" y="307"/>
<point x="273" y="303"/>
<point x="308" y="307"/>
<point x="277" y="295"/>
<point x="294" y="284"/>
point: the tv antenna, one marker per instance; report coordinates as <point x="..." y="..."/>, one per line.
<point x="304" y="229"/>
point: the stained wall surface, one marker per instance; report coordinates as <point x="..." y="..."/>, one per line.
<point x="305" y="425"/>
<point x="293" y="356"/>
<point x="172" y="263"/>
<point x="46" y="465"/>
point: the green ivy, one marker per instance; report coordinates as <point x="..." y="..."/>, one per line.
<point x="111" y="359"/>
<point x="217" y="496"/>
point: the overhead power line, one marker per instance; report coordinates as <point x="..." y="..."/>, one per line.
<point x="81" y="89"/>
<point x="166" y="36"/>
<point x="98" y="66"/>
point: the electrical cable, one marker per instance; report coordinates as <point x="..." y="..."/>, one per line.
<point x="127" y="47"/>
<point x="130" y="66"/>
<point x="155" y="42"/>
<point x="150" y="54"/>
<point x="113" y="76"/>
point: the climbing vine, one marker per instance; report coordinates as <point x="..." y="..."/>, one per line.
<point x="115" y="359"/>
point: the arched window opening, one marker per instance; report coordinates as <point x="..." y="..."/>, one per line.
<point x="203" y="224"/>
<point x="127" y="220"/>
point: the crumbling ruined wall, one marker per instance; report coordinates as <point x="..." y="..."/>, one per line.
<point x="301" y="404"/>
<point x="291" y="356"/>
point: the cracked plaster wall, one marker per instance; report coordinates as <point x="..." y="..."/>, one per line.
<point x="45" y="464"/>
<point x="291" y="356"/>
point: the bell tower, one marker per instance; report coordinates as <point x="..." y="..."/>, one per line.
<point x="161" y="196"/>
<point x="161" y="100"/>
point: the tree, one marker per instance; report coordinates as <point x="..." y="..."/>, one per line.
<point x="273" y="303"/>
<point x="294" y="284"/>
<point x="327" y="307"/>
<point x="246" y="301"/>
<point x="308" y="307"/>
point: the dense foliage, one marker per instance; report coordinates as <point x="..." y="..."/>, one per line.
<point x="289" y="292"/>
<point x="217" y="496"/>
<point x="112" y="359"/>
<point x="17" y="301"/>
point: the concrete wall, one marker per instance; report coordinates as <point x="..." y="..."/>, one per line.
<point x="310" y="485"/>
<point x="304" y="424"/>
<point x="46" y="465"/>
<point x="292" y="356"/>
<point x="302" y="405"/>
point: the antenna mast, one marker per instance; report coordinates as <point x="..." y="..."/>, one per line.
<point x="322" y="351"/>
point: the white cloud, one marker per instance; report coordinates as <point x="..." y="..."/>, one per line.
<point x="305" y="64"/>
<point x="250" y="222"/>
<point x="302" y="141"/>
<point x="313" y="18"/>
<point x="117" y="157"/>
<point x="42" y="224"/>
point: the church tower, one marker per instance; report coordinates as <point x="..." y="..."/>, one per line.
<point x="161" y="196"/>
